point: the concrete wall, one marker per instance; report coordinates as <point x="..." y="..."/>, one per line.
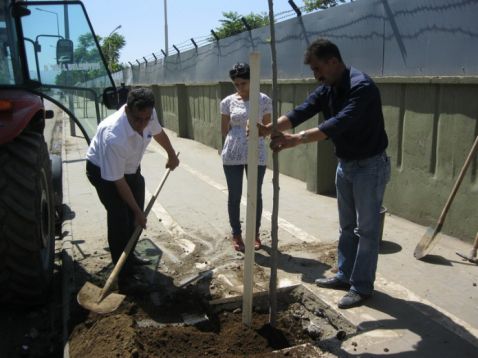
<point x="431" y="123"/>
<point x="380" y="37"/>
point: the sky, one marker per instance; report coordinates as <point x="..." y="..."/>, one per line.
<point x="142" y="21"/>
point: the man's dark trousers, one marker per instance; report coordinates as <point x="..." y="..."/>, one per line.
<point x="120" y="217"/>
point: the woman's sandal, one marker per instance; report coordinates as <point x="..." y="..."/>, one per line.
<point x="257" y="243"/>
<point x="238" y="243"/>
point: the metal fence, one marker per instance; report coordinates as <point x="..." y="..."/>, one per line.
<point x="203" y="40"/>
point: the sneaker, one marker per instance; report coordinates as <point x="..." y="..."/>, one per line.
<point x="333" y="283"/>
<point x="352" y="299"/>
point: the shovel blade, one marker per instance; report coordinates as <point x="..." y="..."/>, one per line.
<point x="425" y="244"/>
<point x="89" y="298"/>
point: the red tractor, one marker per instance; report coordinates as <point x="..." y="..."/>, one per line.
<point x="49" y="56"/>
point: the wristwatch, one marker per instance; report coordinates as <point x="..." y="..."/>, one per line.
<point x="302" y="136"/>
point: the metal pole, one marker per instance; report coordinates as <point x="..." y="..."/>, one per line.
<point x="110" y="57"/>
<point x="57" y="25"/>
<point x="57" y="22"/>
<point x="215" y="35"/>
<point x="70" y="97"/>
<point x="294" y="6"/>
<point x="194" y="43"/>
<point x="166" y="27"/>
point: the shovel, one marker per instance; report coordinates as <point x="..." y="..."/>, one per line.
<point x="472" y="256"/>
<point x="425" y="244"/>
<point x="199" y="276"/>
<point x="100" y="300"/>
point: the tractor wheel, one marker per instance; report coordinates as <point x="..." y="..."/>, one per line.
<point x="27" y="226"/>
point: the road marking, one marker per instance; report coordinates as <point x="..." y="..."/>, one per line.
<point x="175" y="230"/>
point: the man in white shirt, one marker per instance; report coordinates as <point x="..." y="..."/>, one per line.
<point x="113" y="167"/>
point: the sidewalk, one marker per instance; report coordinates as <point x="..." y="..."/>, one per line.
<point x="420" y="309"/>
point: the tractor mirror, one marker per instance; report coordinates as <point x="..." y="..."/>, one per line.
<point x="49" y="114"/>
<point x="64" y="51"/>
<point x="110" y="98"/>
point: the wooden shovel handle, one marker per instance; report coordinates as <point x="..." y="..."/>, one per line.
<point x="132" y="241"/>
<point x="475" y="246"/>
<point x="458" y="181"/>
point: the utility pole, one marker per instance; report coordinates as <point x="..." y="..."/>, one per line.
<point x="166" y="27"/>
<point x="70" y="96"/>
<point x="57" y="21"/>
<point x="110" y="55"/>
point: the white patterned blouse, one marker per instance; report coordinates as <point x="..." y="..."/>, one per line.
<point x="234" y="151"/>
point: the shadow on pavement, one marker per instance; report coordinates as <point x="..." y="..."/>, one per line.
<point x="308" y="268"/>
<point x="389" y="247"/>
<point x="444" y="339"/>
<point x="436" y="260"/>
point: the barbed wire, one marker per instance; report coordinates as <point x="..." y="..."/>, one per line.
<point x="200" y="41"/>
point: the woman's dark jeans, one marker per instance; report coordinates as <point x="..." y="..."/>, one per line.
<point x="234" y="176"/>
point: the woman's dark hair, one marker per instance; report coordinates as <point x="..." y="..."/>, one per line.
<point x="240" y="70"/>
<point x="322" y="49"/>
<point x="140" y="98"/>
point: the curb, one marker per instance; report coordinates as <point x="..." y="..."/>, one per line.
<point x="66" y="255"/>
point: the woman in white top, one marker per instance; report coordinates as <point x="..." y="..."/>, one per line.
<point x="234" y="121"/>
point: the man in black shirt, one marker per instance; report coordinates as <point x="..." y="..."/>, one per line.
<point x="351" y="105"/>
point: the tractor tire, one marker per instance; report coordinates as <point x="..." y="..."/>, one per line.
<point x="27" y="220"/>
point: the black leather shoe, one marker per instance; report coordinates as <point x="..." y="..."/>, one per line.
<point x="352" y="299"/>
<point x="333" y="283"/>
<point x="132" y="286"/>
<point x="138" y="261"/>
<point x="130" y="270"/>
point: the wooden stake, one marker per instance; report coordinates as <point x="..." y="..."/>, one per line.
<point x="252" y="161"/>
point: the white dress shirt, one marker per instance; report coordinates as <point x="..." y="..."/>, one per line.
<point x="116" y="148"/>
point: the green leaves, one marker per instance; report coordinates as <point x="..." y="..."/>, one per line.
<point x="232" y="23"/>
<point x="312" y="5"/>
<point x="111" y="47"/>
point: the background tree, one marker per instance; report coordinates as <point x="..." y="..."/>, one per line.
<point x="312" y="5"/>
<point x="111" y="47"/>
<point x="233" y="25"/>
<point x="86" y="52"/>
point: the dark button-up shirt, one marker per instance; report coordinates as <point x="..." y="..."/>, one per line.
<point x="353" y="115"/>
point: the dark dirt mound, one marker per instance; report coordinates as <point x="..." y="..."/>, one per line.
<point x="110" y="336"/>
<point x="126" y="335"/>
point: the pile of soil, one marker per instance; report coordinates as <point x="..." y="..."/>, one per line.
<point x="223" y="335"/>
<point x="152" y="324"/>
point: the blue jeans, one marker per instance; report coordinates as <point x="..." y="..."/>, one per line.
<point x="360" y="188"/>
<point x="234" y="175"/>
